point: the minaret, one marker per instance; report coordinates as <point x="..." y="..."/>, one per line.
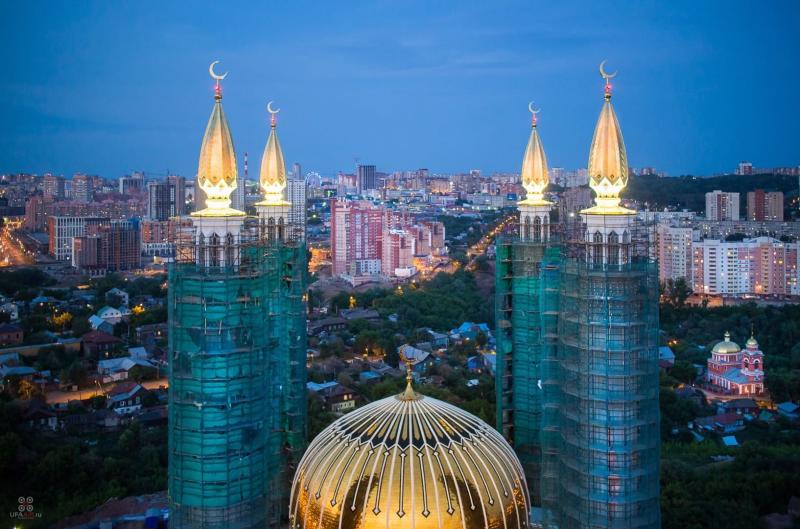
<point x="608" y="225"/>
<point x="534" y="211"/>
<point x="218" y="225"/>
<point x="220" y="414"/>
<point x="608" y="418"/>
<point x="273" y="210"/>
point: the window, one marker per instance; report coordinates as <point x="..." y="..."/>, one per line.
<point x="537" y="229"/>
<point x="213" y="250"/>
<point x="229" y="250"/>
<point x="613" y="248"/>
<point x="597" y="257"/>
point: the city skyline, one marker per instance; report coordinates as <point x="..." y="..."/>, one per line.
<point x="435" y="85"/>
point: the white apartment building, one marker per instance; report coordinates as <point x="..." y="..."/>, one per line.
<point x="721" y="205"/>
<point x="761" y="265"/>
<point x="674" y="252"/>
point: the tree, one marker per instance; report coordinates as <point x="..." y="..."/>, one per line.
<point x="683" y="371"/>
<point x="80" y="326"/>
<point x="677" y="292"/>
<point x="27" y="390"/>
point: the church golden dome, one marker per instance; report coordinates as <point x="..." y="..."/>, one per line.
<point x="726" y="346"/>
<point x="409" y="461"/>
<point x="534" y="167"/>
<point x="273" y="168"/>
<point x="216" y="170"/>
<point x="608" y="159"/>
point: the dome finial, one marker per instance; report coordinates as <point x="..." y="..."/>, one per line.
<point x="533" y="112"/>
<point x="273" y="120"/>
<point x="727" y="336"/>
<point x="409" y="393"/>
<point x="217" y="78"/>
<point x="607" y="77"/>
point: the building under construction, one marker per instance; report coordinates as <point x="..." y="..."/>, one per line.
<point x="577" y="342"/>
<point x="237" y="351"/>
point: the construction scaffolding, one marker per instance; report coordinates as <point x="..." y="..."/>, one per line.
<point x="577" y="368"/>
<point x="526" y="284"/>
<point x="237" y="378"/>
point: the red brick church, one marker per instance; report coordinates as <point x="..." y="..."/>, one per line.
<point x="732" y="370"/>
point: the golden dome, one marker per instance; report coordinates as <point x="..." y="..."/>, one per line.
<point x="409" y="461"/>
<point x="216" y="171"/>
<point x="273" y="168"/>
<point x="726" y="346"/>
<point x="534" y="168"/>
<point x="608" y="160"/>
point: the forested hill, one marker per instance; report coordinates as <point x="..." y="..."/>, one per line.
<point x="689" y="191"/>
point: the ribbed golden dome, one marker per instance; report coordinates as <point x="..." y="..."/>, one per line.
<point x="216" y="170"/>
<point x="534" y="169"/>
<point x="409" y="461"/>
<point x="726" y="346"/>
<point x="273" y="168"/>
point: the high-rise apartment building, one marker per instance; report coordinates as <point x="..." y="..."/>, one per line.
<point x="82" y="188"/>
<point x="53" y="187"/>
<point x="237" y="349"/>
<point x="166" y="199"/>
<point x="674" y="252"/>
<point x="62" y="230"/>
<point x="759" y="265"/>
<point x="296" y="194"/>
<point x="722" y="206"/>
<point x="132" y="184"/>
<point x="35" y="215"/>
<point x="366" y="178"/>
<point x="356" y="237"/>
<point x="111" y="247"/>
<point x="577" y="341"/>
<point x="744" y="168"/>
<point x="764" y="206"/>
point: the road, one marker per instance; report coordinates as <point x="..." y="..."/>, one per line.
<point x="480" y="247"/>
<point x="61" y="397"/>
<point x="12" y="253"/>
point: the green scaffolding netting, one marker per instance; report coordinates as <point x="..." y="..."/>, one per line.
<point x="577" y="380"/>
<point x="237" y="346"/>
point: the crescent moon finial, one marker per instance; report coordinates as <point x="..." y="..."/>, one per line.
<point x="605" y="74"/>
<point x="213" y="74"/>
<point x="533" y="112"/>
<point x="272" y="119"/>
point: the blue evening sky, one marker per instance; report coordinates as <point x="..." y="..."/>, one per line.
<point x="111" y="87"/>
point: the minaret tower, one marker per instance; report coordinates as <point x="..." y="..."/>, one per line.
<point x="219" y="410"/>
<point x="608" y="225"/>
<point x="534" y="211"/>
<point x="273" y="209"/>
<point x="218" y="225"/>
<point x="608" y="357"/>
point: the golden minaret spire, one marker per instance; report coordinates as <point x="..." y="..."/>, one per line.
<point x="216" y="171"/>
<point x="534" y="166"/>
<point x="273" y="168"/>
<point x="608" y="161"/>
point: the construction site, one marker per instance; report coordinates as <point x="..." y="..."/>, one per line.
<point x="237" y="376"/>
<point x="577" y="369"/>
